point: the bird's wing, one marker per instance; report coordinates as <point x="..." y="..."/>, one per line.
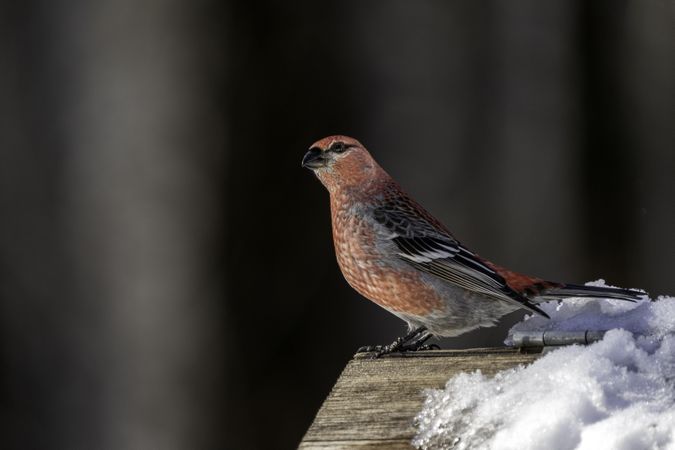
<point x="424" y="245"/>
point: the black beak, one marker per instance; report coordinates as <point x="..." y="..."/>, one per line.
<point x="314" y="158"/>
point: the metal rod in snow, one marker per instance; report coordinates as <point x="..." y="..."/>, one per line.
<point x="554" y="338"/>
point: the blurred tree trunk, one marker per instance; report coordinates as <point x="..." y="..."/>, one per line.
<point x="110" y="171"/>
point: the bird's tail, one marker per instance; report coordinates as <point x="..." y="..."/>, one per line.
<point x="560" y="291"/>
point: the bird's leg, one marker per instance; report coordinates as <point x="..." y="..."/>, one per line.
<point x="418" y="344"/>
<point x="412" y="341"/>
<point x="394" y="345"/>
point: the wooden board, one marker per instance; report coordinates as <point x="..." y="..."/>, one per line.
<point x="374" y="402"/>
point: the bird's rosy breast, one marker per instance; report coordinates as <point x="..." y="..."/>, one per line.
<point x="365" y="269"/>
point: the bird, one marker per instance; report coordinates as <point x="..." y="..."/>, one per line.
<point x="396" y="254"/>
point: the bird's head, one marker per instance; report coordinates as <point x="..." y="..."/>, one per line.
<point x="340" y="162"/>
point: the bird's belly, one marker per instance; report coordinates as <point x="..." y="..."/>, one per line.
<point x="416" y="297"/>
<point x="463" y="310"/>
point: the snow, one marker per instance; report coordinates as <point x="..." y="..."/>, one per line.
<point x="618" y="393"/>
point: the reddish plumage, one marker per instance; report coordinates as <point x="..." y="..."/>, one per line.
<point x="523" y="284"/>
<point x="393" y="252"/>
<point x="355" y="248"/>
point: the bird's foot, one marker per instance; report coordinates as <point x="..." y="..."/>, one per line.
<point x="379" y="350"/>
<point x="422" y="348"/>
<point x="411" y="342"/>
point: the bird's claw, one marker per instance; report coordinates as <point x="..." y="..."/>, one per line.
<point x="428" y="347"/>
<point x="413" y="341"/>
<point x="369" y="348"/>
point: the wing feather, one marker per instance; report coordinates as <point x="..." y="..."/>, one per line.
<point x="433" y="250"/>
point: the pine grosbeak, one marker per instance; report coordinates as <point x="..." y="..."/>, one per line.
<point x="393" y="252"/>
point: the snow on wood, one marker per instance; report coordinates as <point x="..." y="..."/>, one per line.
<point x="374" y="401"/>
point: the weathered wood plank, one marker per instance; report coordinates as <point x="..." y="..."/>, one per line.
<point x="374" y="401"/>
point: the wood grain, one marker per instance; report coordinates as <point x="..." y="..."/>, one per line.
<point x="374" y="402"/>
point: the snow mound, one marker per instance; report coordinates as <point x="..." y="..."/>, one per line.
<point x="644" y="317"/>
<point x="618" y="393"/>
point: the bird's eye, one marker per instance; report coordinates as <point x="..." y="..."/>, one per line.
<point x="338" y="147"/>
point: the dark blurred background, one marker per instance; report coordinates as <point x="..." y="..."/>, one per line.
<point x="167" y="278"/>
